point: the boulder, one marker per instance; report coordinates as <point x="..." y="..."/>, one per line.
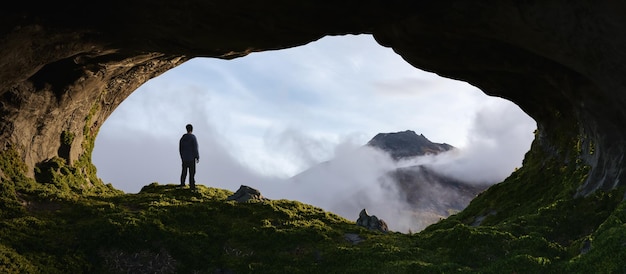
<point x="246" y="194"/>
<point x="371" y="222"/>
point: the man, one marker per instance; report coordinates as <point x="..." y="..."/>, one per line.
<point x="188" y="148"/>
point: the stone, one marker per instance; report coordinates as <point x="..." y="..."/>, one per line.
<point x="586" y="247"/>
<point x="353" y="238"/>
<point x="371" y="222"/>
<point x="246" y="194"/>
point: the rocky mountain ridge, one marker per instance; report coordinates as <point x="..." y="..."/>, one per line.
<point x="406" y="144"/>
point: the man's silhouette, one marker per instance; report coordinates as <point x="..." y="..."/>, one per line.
<point x="188" y="148"/>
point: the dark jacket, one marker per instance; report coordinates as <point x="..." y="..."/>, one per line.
<point x="188" y="147"/>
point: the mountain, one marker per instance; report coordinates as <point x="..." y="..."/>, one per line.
<point x="420" y="186"/>
<point x="406" y="144"/>
<point x="375" y="176"/>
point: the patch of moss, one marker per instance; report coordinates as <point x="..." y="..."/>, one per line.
<point x="12" y="262"/>
<point x="202" y="232"/>
<point x="12" y="182"/>
<point x="67" y="137"/>
<point x="65" y="180"/>
<point x="546" y="221"/>
<point x="605" y="250"/>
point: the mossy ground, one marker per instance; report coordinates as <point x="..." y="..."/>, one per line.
<point x="531" y="223"/>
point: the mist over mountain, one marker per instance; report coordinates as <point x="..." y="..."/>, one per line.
<point x="426" y="190"/>
<point x="419" y="185"/>
<point x="386" y="177"/>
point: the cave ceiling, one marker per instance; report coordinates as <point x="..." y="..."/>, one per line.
<point x="64" y="67"/>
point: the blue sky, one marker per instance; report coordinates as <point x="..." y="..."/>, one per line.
<point x="270" y="115"/>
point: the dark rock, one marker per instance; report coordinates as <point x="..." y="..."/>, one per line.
<point x="371" y="222"/>
<point x="478" y="220"/>
<point x="586" y="247"/>
<point x="140" y="261"/>
<point x="353" y="238"/>
<point x="246" y="194"/>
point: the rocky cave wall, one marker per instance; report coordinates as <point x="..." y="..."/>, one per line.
<point x="65" y="67"/>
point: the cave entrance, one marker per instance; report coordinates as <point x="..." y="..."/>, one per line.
<point x="273" y="114"/>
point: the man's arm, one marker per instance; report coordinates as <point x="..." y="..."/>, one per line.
<point x="180" y="148"/>
<point x="195" y="145"/>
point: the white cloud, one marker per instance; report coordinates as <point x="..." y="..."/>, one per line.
<point x="500" y="136"/>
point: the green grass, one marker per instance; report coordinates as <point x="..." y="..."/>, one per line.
<point x="195" y="231"/>
<point x="176" y="230"/>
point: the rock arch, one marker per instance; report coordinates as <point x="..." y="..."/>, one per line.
<point x="65" y="67"/>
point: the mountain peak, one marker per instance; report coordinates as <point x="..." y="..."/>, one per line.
<point x="406" y="144"/>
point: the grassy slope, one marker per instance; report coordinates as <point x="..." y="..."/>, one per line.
<point x="530" y="223"/>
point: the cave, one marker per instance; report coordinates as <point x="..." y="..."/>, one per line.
<point x="65" y="68"/>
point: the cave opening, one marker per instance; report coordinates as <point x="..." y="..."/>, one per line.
<point x="267" y="117"/>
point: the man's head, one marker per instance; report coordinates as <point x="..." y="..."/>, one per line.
<point x="189" y="127"/>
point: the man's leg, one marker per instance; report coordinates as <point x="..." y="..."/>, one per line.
<point x="183" y="175"/>
<point x="192" y="175"/>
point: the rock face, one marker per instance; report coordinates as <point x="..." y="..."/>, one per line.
<point x="64" y="68"/>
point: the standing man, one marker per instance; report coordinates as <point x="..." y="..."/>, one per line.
<point x="188" y="148"/>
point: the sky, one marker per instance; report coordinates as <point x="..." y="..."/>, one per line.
<point x="262" y="119"/>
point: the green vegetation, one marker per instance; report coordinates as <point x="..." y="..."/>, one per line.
<point x="67" y="137"/>
<point x="58" y="177"/>
<point x="172" y="229"/>
<point x="68" y="221"/>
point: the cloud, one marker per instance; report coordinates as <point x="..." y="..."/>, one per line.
<point x="302" y="149"/>
<point x="500" y="136"/>
<point x="348" y="173"/>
